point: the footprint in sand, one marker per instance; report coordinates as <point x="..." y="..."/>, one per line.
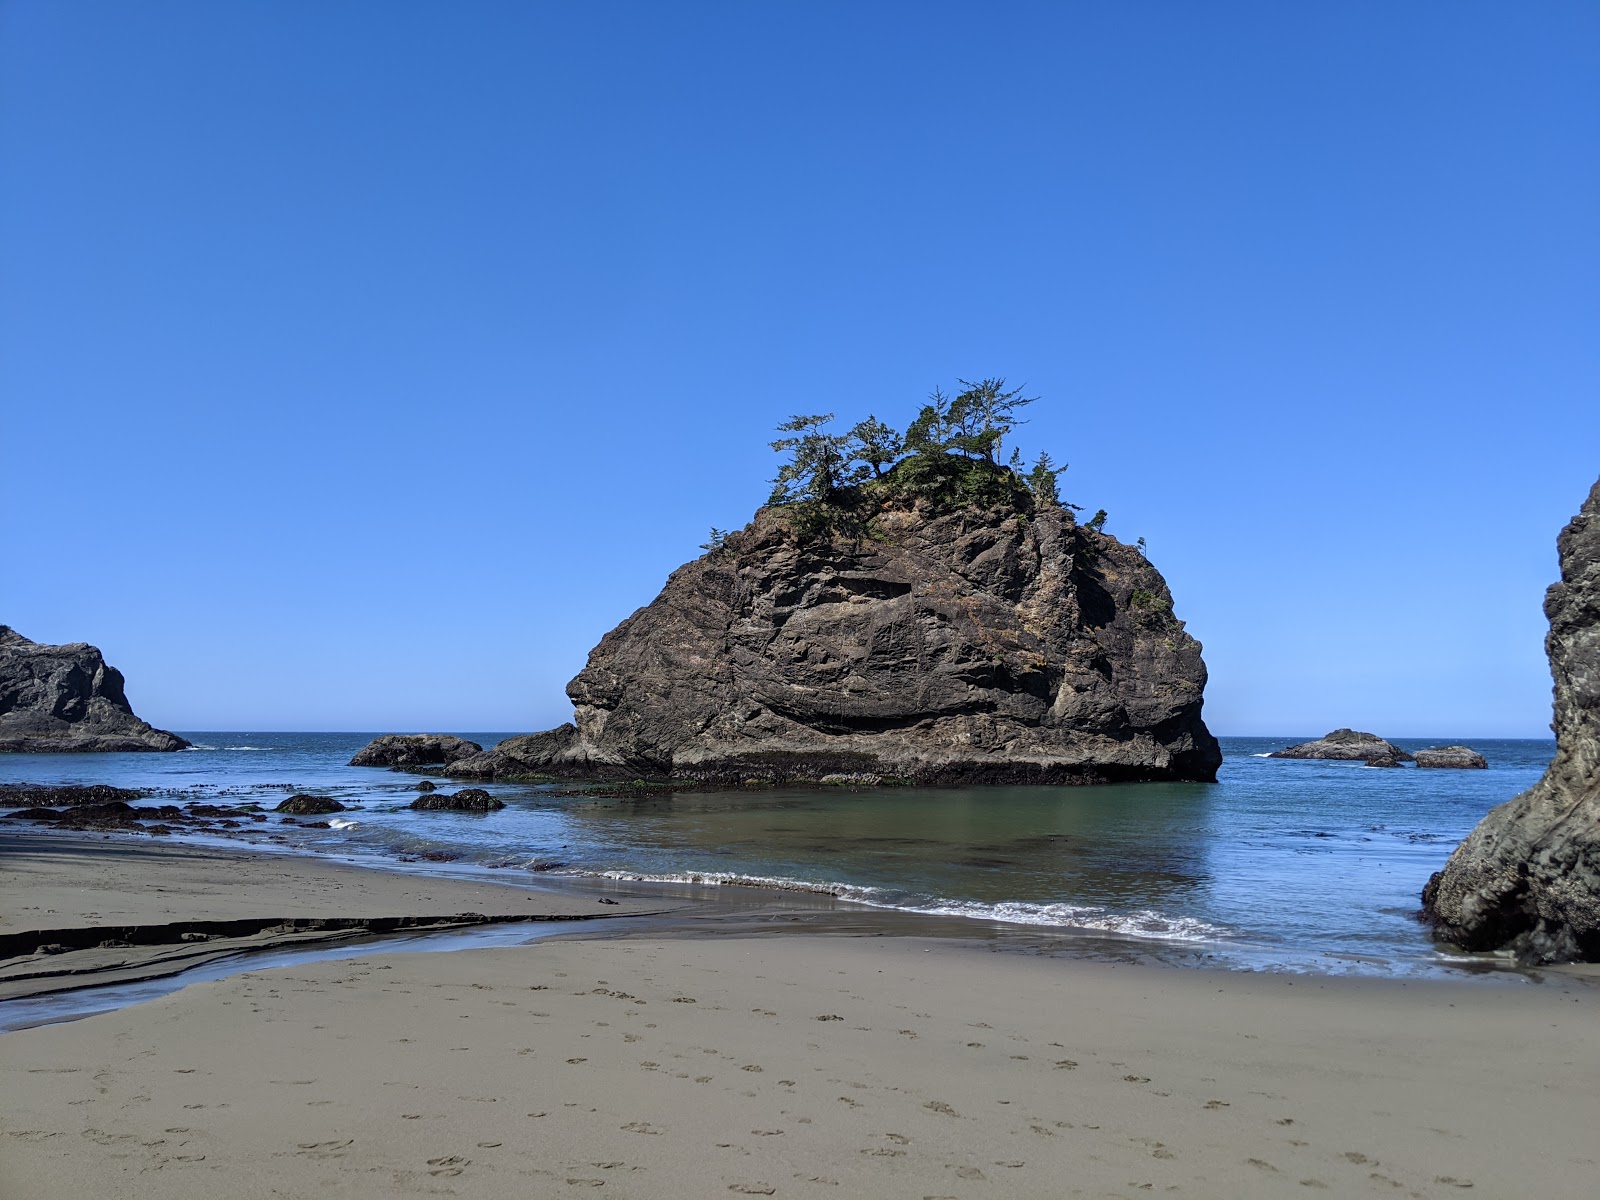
<point x="1215" y="1104"/>
<point x="1136" y="1079"/>
<point x="752" y="1189"/>
<point x="1066" y="1064"/>
<point x="1452" y="1181"/>
<point x="939" y="1106"/>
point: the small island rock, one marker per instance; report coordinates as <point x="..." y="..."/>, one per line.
<point x="989" y="643"/>
<point x="472" y="800"/>
<point x="1527" y="879"/>
<point x="1348" y="745"/>
<point x="414" y="750"/>
<point x="307" y="806"/>
<point x="67" y="700"/>
<point x="1462" y="758"/>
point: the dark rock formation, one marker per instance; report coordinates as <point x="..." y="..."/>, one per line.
<point x="1528" y="877"/>
<point x="426" y="785"/>
<point x="473" y="800"/>
<point x="413" y="750"/>
<point x="65" y="699"/>
<point x="1453" y="757"/>
<point x="1383" y="760"/>
<point x="1347" y="745"/>
<point x="63" y="795"/>
<point x="309" y="806"/>
<point x="958" y="645"/>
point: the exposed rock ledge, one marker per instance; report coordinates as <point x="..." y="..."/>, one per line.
<point x="1348" y="745"/>
<point x="66" y="699"/>
<point x="1527" y="878"/>
<point x="980" y="645"/>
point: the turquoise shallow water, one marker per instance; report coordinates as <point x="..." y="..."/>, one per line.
<point x="1305" y="865"/>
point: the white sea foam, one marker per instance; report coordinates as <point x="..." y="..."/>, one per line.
<point x="340" y="823"/>
<point x="1268" y="755"/>
<point x="1144" y="923"/>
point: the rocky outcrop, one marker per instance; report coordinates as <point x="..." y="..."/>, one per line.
<point x="969" y="645"/>
<point x="309" y="806"/>
<point x="414" y="750"/>
<point x="65" y="699"/>
<point x="1527" y="878"/>
<point x="1459" y="758"/>
<point x="1348" y="745"/>
<point x="471" y="800"/>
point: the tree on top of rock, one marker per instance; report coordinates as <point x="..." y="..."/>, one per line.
<point x="876" y="444"/>
<point x="983" y="415"/>
<point x="820" y="463"/>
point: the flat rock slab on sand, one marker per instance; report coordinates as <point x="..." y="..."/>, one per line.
<point x="804" y="1066"/>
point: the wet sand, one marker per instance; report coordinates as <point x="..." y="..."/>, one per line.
<point x="649" y="1066"/>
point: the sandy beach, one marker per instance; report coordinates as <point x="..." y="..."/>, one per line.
<point x="650" y="1066"/>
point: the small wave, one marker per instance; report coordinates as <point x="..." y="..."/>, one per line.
<point x="1144" y="923"/>
<point x="197" y="746"/>
<point x="340" y="823"/>
<point x="246" y="747"/>
<point x="1267" y="755"/>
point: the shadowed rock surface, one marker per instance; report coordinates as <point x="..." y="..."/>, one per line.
<point x="1527" y="878"/>
<point x="1348" y="745"/>
<point x="1460" y="758"/>
<point x="413" y="750"/>
<point x="67" y="700"/>
<point x="981" y="645"/>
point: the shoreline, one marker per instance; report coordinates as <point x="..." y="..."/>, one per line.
<point x="689" y="1053"/>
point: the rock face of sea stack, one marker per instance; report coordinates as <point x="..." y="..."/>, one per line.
<point x="1527" y="878"/>
<point x="66" y="699"/>
<point x="1348" y="745"/>
<point x="983" y="645"/>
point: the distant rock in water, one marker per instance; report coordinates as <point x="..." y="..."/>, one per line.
<point x="1462" y="758"/>
<point x="413" y="750"/>
<point x="473" y="800"/>
<point x="1527" y="878"/>
<point x="309" y="806"/>
<point x="1348" y="745"/>
<point x="978" y="644"/>
<point x="65" y="699"/>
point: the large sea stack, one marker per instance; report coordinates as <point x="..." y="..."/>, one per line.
<point x="1527" y="878"/>
<point x="66" y="699"/>
<point x="985" y="642"/>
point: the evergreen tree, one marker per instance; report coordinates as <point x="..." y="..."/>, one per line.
<point x="982" y="415"/>
<point x="875" y="444"/>
<point x="1042" y="482"/>
<point x="819" y="462"/>
<point x="930" y="433"/>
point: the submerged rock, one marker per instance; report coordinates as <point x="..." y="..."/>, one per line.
<point x="1349" y="745"/>
<point x="66" y="699"/>
<point x="413" y="750"/>
<point x="997" y="644"/>
<point x="1453" y="757"/>
<point x="1527" y="878"/>
<point x="474" y="800"/>
<point x="309" y="806"/>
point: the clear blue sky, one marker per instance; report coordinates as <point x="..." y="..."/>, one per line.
<point x="361" y="363"/>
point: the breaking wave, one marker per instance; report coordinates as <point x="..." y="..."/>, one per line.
<point x="1144" y="923"/>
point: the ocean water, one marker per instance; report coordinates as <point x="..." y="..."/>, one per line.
<point x="1285" y="864"/>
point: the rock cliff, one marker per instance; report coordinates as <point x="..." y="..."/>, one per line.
<point x="979" y="644"/>
<point x="66" y="699"/>
<point x="1528" y="877"/>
